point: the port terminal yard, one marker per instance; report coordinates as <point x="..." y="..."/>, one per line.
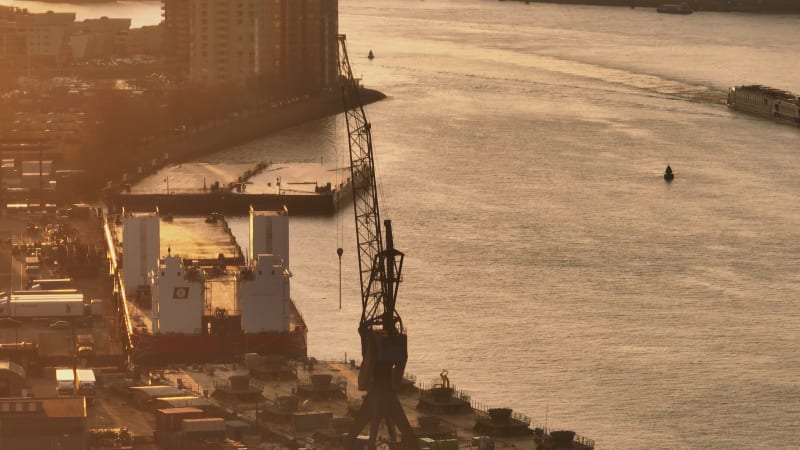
<point x="252" y="401"/>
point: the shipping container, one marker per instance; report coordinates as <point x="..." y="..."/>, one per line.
<point x="208" y="424"/>
<point x="168" y="420"/>
<point x="183" y="401"/>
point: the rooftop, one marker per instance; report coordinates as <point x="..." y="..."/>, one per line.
<point x="74" y="407"/>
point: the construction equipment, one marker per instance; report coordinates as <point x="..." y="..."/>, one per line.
<point x="384" y="344"/>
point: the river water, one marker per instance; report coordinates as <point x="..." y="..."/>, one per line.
<point x="549" y="267"/>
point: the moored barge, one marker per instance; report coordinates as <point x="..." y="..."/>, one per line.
<point x="782" y="106"/>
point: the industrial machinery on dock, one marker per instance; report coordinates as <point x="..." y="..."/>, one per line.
<point x="384" y="343"/>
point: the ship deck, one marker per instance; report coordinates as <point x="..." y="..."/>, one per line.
<point x="193" y="238"/>
<point x="198" y="239"/>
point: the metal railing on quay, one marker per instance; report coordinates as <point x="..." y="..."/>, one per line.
<point x="457" y="393"/>
<point x="483" y="409"/>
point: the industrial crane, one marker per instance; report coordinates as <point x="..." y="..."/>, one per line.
<point x="384" y="343"/>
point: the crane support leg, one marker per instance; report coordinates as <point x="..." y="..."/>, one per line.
<point x="381" y="405"/>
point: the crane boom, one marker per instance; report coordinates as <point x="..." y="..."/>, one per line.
<point x="384" y="345"/>
<point x="365" y="195"/>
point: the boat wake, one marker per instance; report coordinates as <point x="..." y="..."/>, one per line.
<point x="655" y="84"/>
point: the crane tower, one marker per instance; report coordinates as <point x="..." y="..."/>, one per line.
<point x="384" y="343"/>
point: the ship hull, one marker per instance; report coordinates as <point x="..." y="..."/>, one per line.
<point x="150" y="349"/>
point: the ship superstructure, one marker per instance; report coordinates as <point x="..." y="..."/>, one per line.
<point x="177" y="294"/>
<point x="765" y="101"/>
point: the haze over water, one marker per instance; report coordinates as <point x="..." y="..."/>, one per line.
<point x="549" y="268"/>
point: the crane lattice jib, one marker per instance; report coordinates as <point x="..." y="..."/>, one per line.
<point x="384" y="345"/>
<point x="365" y="193"/>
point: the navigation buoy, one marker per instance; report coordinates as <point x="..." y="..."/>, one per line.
<point x="668" y="175"/>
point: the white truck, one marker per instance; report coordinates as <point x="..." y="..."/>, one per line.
<point x="86" y="383"/>
<point x="65" y="382"/>
<point x="29" y="304"/>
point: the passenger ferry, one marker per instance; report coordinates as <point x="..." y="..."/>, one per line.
<point x="764" y="101"/>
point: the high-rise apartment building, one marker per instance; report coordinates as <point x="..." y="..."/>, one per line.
<point x="223" y="40"/>
<point x="176" y="33"/>
<point x="289" y="44"/>
<point x="300" y="55"/>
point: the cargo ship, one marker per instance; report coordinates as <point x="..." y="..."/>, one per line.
<point x="212" y="306"/>
<point x="782" y="106"/>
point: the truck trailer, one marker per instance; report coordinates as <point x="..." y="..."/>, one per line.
<point x="65" y="382"/>
<point x="86" y="384"/>
<point x="46" y="305"/>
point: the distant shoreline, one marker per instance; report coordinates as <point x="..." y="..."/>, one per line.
<point x="76" y="2"/>
<point x="764" y="6"/>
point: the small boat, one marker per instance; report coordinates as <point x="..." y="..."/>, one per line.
<point x="668" y="175"/>
<point x="679" y="8"/>
<point x="371" y="55"/>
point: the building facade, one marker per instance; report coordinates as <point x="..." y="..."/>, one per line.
<point x="300" y="44"/>
<point x="99" y="38"/>
<point x="223" y="40"/>
<point x="43" y="423"/>
<point x="176" y="34"/>
<point x="290" y="45"/>
<point x="146" y="40"/>
<point x="47" y="37"/>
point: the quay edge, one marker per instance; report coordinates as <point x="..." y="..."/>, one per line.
<point x="246" y="128"/>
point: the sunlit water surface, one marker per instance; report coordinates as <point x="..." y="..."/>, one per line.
<point x="549" y="267"/>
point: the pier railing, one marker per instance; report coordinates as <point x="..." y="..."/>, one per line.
<point x="457" y="393"/>
<point x="356" y="364"/>
<point x="483" y="410"/>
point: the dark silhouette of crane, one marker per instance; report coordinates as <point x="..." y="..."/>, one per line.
<point x="384" y="343"/>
